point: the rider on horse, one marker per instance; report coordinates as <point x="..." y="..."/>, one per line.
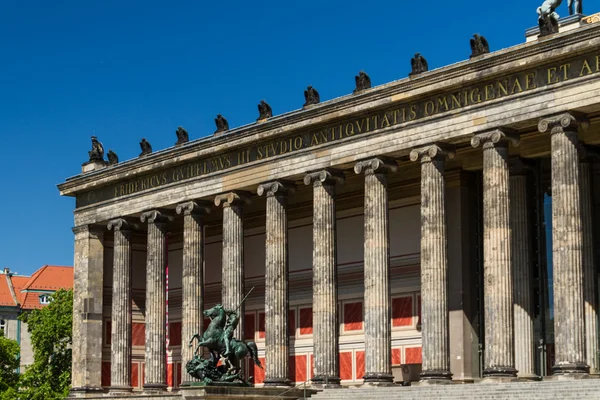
<point x="233" y="319"/>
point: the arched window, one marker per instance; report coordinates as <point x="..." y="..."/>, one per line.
<point x="44" y="299"/>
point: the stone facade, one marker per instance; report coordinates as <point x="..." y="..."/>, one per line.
<point x="343" y="294"/>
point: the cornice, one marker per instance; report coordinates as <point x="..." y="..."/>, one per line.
<point x="378" y="96"/>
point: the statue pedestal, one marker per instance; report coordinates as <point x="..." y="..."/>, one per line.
<point x="237" y="392"/>
<point x="93" y="166"/>
<point x="565" y="24"/>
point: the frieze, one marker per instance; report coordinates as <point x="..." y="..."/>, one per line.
<point x="396" y="115"/>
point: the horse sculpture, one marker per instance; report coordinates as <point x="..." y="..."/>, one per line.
<point x="215" y="339"/>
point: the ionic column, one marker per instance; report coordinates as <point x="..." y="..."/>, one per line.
<point x="522" y="270"/>
<point x="590" y="300"/>
<point x="233" y="253"/>
<point x="325" y="306"/>
<point x="192" y="278"/>
<point x="155" y="375"/>
<point x="378" y="337"/>
<point x="87" y="310"/>
<point x="434" y="264"/>
<point x="120" y="348"/>
<point x="567" y="237"/>
<point x="276" y="283"/>
<point x="499" y="360"/>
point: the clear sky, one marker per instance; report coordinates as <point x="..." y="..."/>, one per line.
<point x="123" y="70"/>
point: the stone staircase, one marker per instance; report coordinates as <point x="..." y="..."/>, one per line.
<point x="564" y="390"/>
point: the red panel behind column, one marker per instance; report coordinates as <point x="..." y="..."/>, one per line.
<point x="105" y="373"/>
<point x="360" y="365"/>
<point x="306" y="327"/>
<point x="135" y="374"/>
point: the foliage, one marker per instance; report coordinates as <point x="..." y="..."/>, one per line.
<point x="49" y="377"/>
<point x="9" y="362"/>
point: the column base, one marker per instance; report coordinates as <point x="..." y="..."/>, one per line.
<point x="500" y="372"/>
<point x="152" y="388"/>
<point x="376" y="379"/>
<point x="326" y="382"/>
<point x="82" y="391"/>
<point x="528" y="377"/>
<point x="575" y="368"/>
<point x="435" y="376"/>
<point x="277" y="382"/>
<point x="120" y="390"/>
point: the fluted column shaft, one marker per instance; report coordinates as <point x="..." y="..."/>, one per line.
<point x="522" y="272"/>
<point x="499" y="357"/>
<point x="590" y="300"/>
<point x="378" y="338"/>
<point x="155" y="373"/>
<point x="192" y="279"/>
<point x="325" y="295"/>
<point x="120" y="360"/>
<point x="434" y="265"/>
<point x="233" y="254"/>
<point x="569" y="325"/>
<point x="276" y="283"/>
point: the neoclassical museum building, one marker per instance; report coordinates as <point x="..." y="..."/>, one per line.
<point x="438" y="227"/>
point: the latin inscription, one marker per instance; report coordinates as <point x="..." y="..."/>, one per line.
<point x="374" y="121"/>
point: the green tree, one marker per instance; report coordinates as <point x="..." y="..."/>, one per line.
<point x="9" y="362"/>
<point x="49" y="377"/>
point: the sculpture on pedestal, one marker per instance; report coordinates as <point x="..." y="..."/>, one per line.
<point x="479" y="46"/>
<point x="418" y="64"/>
<point x="182" y="136"/>
<point x="218" y="339"/>
<point x="97" y="152"/>
<point x="146" y="147"/>
<point x="363" y="82"/>
<point x="264" y="111"/>
<point x="222" y="124"/>
<point x="113" y="158"/>
<point x="311" y="96"/>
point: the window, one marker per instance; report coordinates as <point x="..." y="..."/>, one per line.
<point x="3" y="326"/>
<point x="44" y="299"/>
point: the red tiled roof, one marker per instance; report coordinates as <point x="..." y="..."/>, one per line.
<point x="51" y="277"/>
<point x="47" y="278"/>
<point x="6" y="298"/>
<point x="19" y="283"/>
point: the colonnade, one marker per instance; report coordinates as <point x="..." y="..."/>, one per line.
<point x="507" y="269"/>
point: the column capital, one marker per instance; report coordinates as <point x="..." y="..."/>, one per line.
<point x="432" y="152"/>
<point x="276" y="188"/>
<point x="375" y="165"/>
<point x="155" y="216"/>
<point x="568" y="121"/>
<point x="121" y="224"/>
<point x="194" y="208"/>
<point x="326" y="176"/>
<point x="520" y="166"/>
<point x="494" y="138"/>
<point x="233" y="198"/>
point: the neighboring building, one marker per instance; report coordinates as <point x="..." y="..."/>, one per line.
<point x="414" y="239"/>
<point x="24" y="293"/>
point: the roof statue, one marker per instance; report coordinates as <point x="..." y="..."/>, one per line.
<point x="219" y="341"/>
<point x="575" y="7"/>
<point x="418" y="64"/>
<point x="548" y="17"/>
<point x="113" y="158"/>
<point x="311" y="96"/>
<point x="479" y="46"/>
<point x="146" y="147"/>
<point x="264" y="111"/>
<point x="182" y="136"/>
<point x="363" y="82"/>
<point x="97" y="152"/>
<point x="222" y="124"/>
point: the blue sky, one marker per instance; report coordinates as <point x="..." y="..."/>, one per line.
<point x="123" y="70"/>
